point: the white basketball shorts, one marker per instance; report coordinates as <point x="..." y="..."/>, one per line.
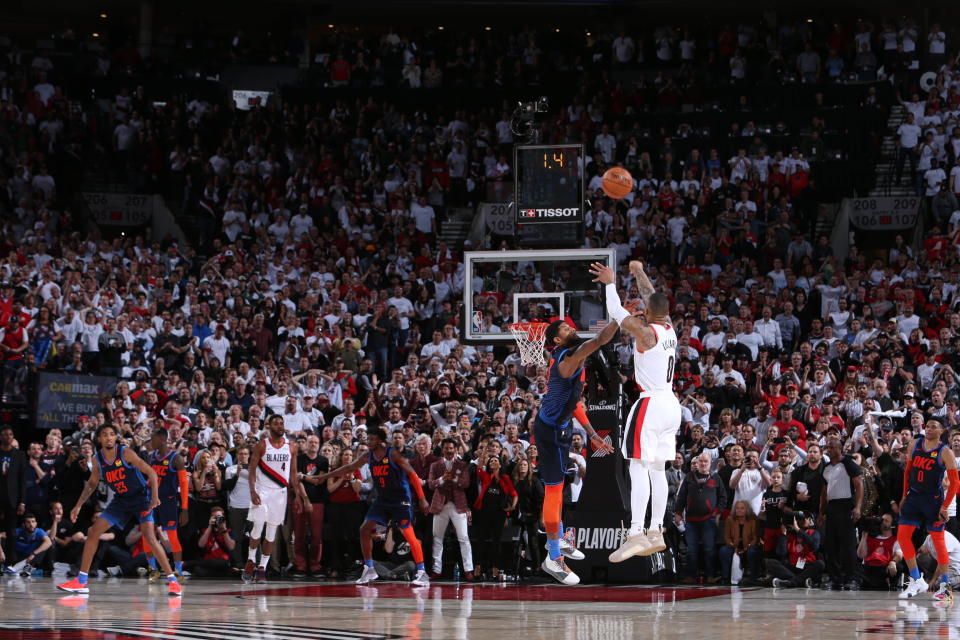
<point x="650" y="434"/>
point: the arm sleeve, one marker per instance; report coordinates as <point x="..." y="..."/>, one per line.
<point x="952" y="490"/>
<point x="580" y="414"/>
<point x="906" y="476"/>
<point x="184" y="481"/>
<point x="416" y="485"/>
<point x="614" y="308"/>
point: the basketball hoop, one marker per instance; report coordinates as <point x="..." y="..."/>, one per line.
<point x="530" y="337"/>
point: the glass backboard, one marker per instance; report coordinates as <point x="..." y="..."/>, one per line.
<point x="502" y="287"/>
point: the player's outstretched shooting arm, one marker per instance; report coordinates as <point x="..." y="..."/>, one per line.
<point x="644" y="286"/>
<point x="636" y="325"/>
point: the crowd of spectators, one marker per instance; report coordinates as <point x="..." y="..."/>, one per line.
<point x="318" y="290"/>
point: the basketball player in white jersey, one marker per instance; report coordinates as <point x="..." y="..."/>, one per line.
<point x="649" y="438"/>
<point x="275" y="461"/>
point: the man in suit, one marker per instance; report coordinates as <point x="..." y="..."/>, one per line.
<point x="449" y="478"/>
<point x="675" y="476"/>
<point x="13" y="487"/>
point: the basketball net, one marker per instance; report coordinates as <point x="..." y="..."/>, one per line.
<point x="530" y="337"/>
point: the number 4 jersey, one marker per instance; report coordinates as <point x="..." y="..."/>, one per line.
<point x="273" y="472"/>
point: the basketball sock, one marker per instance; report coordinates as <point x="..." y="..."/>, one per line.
<point x="152" y="561"/>
<point x="178" y="566"/>
<point x="82" y="577"/>
<point x="171" y="577"/>
<point x="915" y="573"/>
<point x="553" y="546"/>
<point x="264" y="559"/>
<point x="945" y="578"/>
<point x="252" y="555"/>
<point x="658" y="497"/>
<point x="639" y="496"/>
<point x="368" y="563"/>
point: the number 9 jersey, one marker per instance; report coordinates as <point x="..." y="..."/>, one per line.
<point x="651" y="430"/>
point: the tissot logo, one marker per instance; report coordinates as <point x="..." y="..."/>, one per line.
<point x="529" y="213"/>
<point x="568" y="212"/>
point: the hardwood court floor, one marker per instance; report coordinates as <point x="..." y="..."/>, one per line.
<point x="129" y="609"/>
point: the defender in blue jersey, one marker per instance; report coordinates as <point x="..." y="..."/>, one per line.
<point x="393" y="480"/>
<point x="174" y="492"/>
<point x="135" y="495"/>
<point x="925" y="503"/>
<point x="552" y="432"/>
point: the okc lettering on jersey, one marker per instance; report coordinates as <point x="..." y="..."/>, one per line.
<point x="925" y="462"/>
<point x="116" y="478"/>
<point x="160" y="469"/>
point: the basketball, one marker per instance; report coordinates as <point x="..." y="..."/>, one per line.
<point x="617" y="182"/>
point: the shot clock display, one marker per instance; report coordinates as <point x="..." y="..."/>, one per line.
<point x="548" y="183"/>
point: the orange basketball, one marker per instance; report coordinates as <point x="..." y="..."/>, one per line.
<point x="617" y="182"/>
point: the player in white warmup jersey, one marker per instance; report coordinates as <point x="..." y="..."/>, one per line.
<point x="649" y="438"/>
<point x="273" y="472"/>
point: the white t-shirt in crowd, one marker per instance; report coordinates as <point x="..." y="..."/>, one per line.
<point x="218" y="348"/>
<point x="750" y="489"/>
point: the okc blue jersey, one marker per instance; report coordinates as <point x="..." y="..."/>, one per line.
<point x="927" y="471"/>
<point x="562" y="394"/>
<point x="389" y="480"/>
<point x="167" y="484"/>
<point x="125" y="480"/>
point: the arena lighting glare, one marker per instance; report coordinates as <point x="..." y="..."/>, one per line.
<point x="103" y="15"/>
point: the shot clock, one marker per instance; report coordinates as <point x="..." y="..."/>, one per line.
<point x="549" y="183"/>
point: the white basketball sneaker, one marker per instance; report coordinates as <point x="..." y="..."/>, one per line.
<point x="559" y="571"/>
<point x="914" y="587"/>
<point x="369" y="575"/>
<point x="422" y="579"/>
<point x="655" y="538"/>
<point x="632" y="546"/>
